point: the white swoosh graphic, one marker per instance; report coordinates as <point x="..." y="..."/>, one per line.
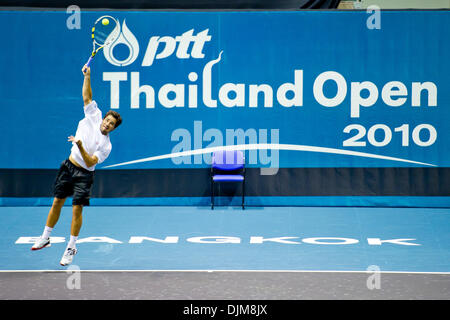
<point x="262" y="146"/>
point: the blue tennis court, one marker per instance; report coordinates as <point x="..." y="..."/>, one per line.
<point x="228" y="238"/>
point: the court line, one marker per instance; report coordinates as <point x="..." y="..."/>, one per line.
<point x="235" y="271"/>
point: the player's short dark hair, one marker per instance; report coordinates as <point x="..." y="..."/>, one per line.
<point x="116" y="115"/>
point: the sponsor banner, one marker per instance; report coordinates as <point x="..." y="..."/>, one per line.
<point x="292" y="89"/>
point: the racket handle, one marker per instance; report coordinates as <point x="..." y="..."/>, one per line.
<point x="89" y="61"/>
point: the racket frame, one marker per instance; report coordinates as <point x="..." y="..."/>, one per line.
<point x="94" y="42"/>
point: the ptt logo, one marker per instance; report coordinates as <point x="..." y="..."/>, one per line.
<point x="185" y="46"/>
<point x="126" y="38"/>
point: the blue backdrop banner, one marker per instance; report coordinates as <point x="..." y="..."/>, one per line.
<point x="294" y="89"/>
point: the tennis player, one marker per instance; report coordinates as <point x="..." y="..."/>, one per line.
<point x="90" y="146"/>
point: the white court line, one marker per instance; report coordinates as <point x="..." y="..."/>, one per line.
<point x="236" y="271"/>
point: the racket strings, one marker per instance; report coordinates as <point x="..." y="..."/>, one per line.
<point x="104" y="34"/>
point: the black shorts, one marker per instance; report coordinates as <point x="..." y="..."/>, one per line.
<point x="73" y="181"/>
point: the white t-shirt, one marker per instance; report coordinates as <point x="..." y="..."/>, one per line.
<point x="94" y="142"/>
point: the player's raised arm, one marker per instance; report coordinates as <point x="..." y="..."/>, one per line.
<point x="87" y="91"/>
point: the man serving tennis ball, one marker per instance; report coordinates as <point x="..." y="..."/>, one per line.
<point x="90" y="146"/>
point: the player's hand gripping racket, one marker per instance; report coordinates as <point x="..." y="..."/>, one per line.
<point x="105" y="31"/>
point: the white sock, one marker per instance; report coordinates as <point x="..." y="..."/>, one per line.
<point x="72" y="242"/>
<point x="46" y="233"/>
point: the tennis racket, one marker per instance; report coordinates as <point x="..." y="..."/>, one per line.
<point x="105" y="31"/>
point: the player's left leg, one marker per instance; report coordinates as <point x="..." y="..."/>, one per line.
<point x="77" y="221"/>
<point x="83" y="181"/>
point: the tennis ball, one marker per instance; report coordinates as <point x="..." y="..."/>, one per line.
<point x="105" y="21"/>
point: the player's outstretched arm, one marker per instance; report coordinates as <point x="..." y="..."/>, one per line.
<point x="87" y="90"/>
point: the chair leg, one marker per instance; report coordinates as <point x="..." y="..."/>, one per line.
<point x="212" y="194"/>
<point x="243" y="194"/>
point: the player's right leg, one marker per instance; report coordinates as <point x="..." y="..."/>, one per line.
<point x="55" y="211"/>
<point x="62" y="188"/>
<point x="52" y="219"/>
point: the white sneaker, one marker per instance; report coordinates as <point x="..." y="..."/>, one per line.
<point x="41" y="243"/>
<point x="68" y="256"/>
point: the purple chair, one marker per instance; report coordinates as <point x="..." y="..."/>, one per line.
<point x="227" y="166"/>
